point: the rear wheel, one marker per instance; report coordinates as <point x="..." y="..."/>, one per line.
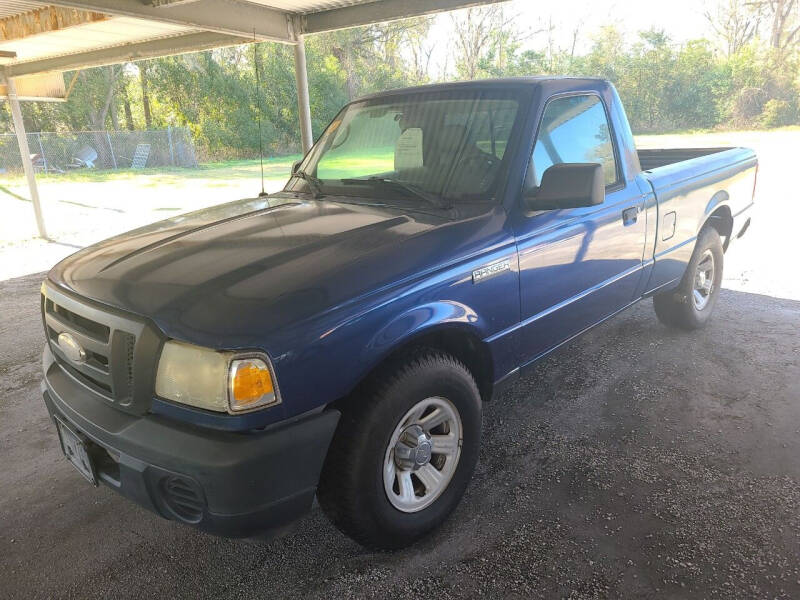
<point x="690" y="305"/>
<point x="403" y="453"/>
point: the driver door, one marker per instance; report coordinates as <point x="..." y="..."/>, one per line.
<point x="581" y="265"/>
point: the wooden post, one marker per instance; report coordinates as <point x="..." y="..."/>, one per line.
<point x="41" y="149"/>
<point x="111" y="147"/>
<point x="171" y="149"/>
<point x="25" y="153"/>
<point x="303" y="104"/>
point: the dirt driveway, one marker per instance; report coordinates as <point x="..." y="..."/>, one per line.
<point x="635" y="462"/>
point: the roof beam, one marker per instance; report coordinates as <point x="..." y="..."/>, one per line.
<point x="222" y="16"/>
<point x="42" y="20"/>
<point x="379" y="12"/>
<point x="180" y="44"/>
<point x="167" y="2"/>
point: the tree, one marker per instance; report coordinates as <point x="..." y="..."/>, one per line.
<point x="488" y="43"/>
<point x="474" y="31"/>
<point x="126" y="106"/>
<point x="783" y="17"/>
<point x="372" y="58"/>
<point x="665" y="86"/>
<point x="693" y="93"/>
<point x="421" y="48"/>
<point x="735" y="22"/>
<point x="92" y="97"/>
<point x="653" y="62"/>
<point x="148" y="120"/>
<point x="607" y="57"/>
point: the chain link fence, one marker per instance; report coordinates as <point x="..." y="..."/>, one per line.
<point x="61" y="152"/>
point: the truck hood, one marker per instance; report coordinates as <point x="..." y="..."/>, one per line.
<point x="228" y="275"/>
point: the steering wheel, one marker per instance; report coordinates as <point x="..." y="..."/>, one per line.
<point x="488" y="161"/>
<point x="483" y="166"/>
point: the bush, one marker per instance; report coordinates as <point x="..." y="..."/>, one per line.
<point x="746" y="107"/>
<point x="778" y="113"/>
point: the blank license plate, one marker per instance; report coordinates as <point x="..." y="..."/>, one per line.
<point x="74" y="447"/>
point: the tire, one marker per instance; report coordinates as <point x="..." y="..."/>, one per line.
<point x="367" y="452"/>
<point x="691" y="305"/>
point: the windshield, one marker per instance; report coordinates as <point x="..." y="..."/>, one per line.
<point x="434" y="147"/>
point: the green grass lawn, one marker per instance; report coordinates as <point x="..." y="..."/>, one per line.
<point x="219" y="174"/>
<point x="274" y="169"/>
<point x="358" y="164"/>
<point x="175" y="188"/>
<point x="216" y="174"/>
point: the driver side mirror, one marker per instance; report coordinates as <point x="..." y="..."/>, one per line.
<point x="296" y="165"/>
<point x="568" y="185"/>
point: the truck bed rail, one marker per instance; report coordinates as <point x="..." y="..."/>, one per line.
<point x="660" y="157"/>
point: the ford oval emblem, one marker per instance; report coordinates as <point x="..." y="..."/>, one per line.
<point x="71" y="348"/>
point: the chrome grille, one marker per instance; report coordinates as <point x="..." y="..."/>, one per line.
<point x="112" y="345"/>
<point x="94" y="337"/>
<point x="128" y="342"/>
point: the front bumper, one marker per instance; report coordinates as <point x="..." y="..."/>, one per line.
<point x="228" y="484"/>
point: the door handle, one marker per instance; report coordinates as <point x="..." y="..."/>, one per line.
<point x="630" y="215"/>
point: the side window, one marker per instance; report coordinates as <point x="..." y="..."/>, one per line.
<point x="574" y="130"/>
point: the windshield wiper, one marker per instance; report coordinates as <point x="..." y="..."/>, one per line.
<point x="409" y="188"/>
<point x="313" y="182"/>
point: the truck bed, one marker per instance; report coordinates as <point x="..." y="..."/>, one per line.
<point x="689" y="183"/>
<point x="661" y="157"/>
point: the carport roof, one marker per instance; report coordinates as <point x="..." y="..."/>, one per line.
<point x="41" y="36"/>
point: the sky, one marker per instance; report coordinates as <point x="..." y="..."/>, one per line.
<point x="682" y="19"/>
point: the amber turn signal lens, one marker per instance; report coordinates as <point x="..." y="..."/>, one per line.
<point x="250" y="384"/>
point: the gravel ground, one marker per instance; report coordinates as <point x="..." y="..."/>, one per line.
<point x="636" y="462"/>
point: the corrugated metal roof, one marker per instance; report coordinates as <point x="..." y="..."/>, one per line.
<point x="307" y="6"/>
<point x="54" y="37"/>
<point x="9" y="8"/>
<point x="90" y="36"/>
<point x="117" y="30"/>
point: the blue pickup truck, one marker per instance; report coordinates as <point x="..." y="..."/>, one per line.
<point x="340" y="337"/>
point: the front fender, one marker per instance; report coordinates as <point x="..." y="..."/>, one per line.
<point x="421" y="320"/>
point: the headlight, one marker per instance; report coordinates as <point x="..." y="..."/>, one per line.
<point x="219" y="381"/>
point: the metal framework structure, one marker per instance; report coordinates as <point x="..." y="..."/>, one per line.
<point x="38" y="37"/>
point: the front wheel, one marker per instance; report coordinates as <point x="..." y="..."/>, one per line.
<point x="691" y="304"/>
<point x="403" y="453"/>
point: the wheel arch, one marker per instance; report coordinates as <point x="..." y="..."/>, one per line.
<point x="719" y="216"/>
<point x="459" y="340"/>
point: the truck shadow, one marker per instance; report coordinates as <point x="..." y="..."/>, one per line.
<point x="629" y="445"/>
